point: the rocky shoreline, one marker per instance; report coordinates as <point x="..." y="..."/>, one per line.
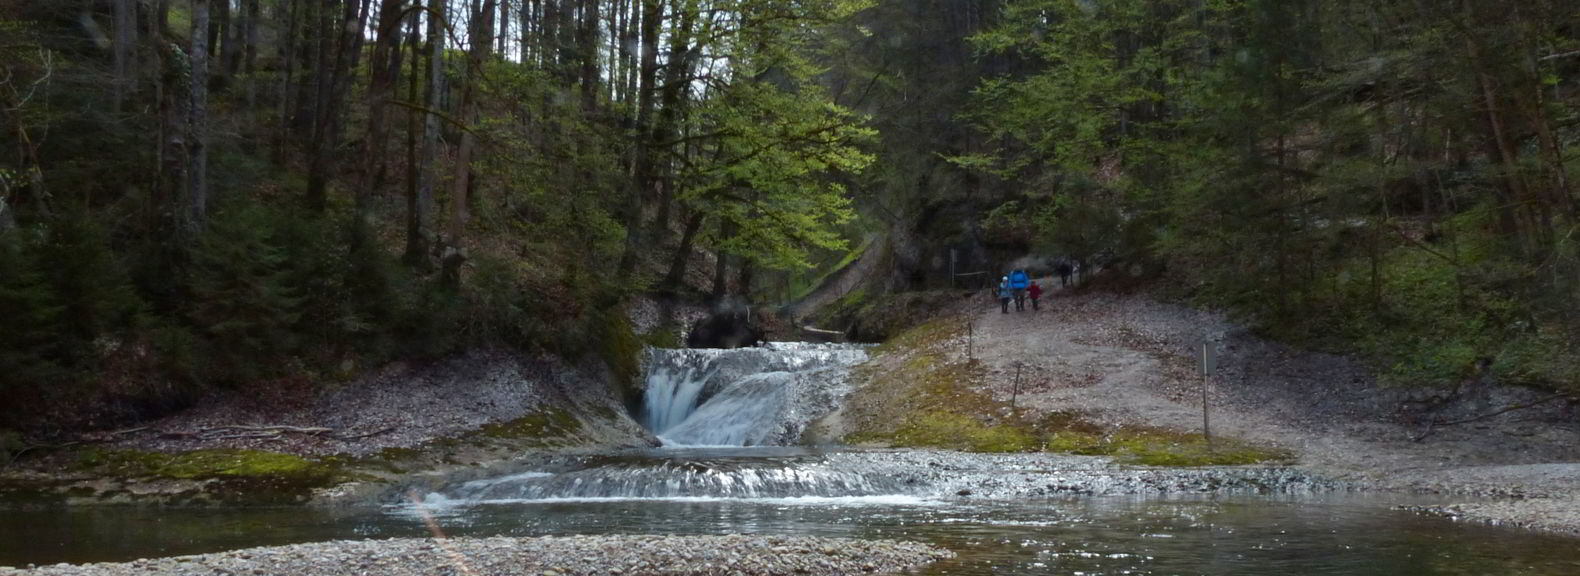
<point x="545" y="556"/>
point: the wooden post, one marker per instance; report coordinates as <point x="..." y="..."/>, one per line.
<point x="1015" y="395"/>
<point x="971" y="335"/>
<point x="1208" y="363"/>
<point x="953" y="255"/>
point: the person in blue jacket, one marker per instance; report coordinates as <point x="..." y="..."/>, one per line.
<point x="1018" y="281"/>
<point x="1004" y="295"/>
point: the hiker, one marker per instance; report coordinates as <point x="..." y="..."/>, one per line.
<point x="1004" y="294"/>
<point x="1018" y="280"/>
<point x="1035" y="292"/>
<point x="1064" y="270"/>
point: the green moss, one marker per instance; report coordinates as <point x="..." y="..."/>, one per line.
<point x="938" y="408"/>
<point x="541" y="427"/>
<point x="662" y="337"/>
<point x="618" y="345"/>
<point x="10" y="444"/>
<point x="204" y="464"/>
<point x="941" y="429"/>
<point x="927" y="336"/>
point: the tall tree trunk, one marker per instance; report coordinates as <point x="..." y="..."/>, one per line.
<point x="504" y="29"/>
<point x="252" y="10"/>
<point x="386" y="64"/>
<point x="171" y="95"/>
<point x="549" y="40"/>
<point x="197" y="118"/>
<point x="677" y="265"/>
<point x="526" y="14"/>
<point x="162" y="18"/>
<point x="1530" y="213"/>
<point x="125" y="50"/>
<point x="416" y="254"/>
<point x="323" y="86"/>
<point x="616" y="54"/>
<point x="326" y="131"/>
<point x="288" y="54"/>
<point x="636" y="197"/>
<point x="417" y="248"/>
<point x="677" y="78"/>
<point x="631" y="45"/>
<point x="254" y="34"/>
<point x="313" y="44"/>
<point x="721" y="271"/>
<point x="228" y="52"/>
<point x="589" y="57"/>
<point x="481" y="38"/>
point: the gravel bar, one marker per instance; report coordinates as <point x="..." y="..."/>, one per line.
<point x="546" y="556"/>
<point x="1552" y="515"/>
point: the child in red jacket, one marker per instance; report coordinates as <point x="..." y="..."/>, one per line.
<point x="1035" y="292"/>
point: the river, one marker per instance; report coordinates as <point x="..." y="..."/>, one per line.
<point x="1006" y="514"/>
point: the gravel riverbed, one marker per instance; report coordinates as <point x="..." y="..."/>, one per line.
<point x="547" y="556"/>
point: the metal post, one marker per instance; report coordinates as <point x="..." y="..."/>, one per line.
<point x="971" y="336"/>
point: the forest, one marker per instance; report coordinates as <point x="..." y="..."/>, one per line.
<point x="210" y="195"/>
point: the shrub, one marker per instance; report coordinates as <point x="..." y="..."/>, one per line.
<point x="30" y="351"/>
<point x="243" y="301"/>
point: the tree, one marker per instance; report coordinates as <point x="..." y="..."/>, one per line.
<point x="197" y="120"/>
<point x="481" y="39"/>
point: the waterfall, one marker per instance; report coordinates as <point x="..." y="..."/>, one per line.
<point x="671" y="396"/>
<point x="744" y="397"/>
<point x="668" y="477"/>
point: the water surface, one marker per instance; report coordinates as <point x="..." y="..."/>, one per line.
<point x="1240" y="535"/>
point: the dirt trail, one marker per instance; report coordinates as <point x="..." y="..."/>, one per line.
<point x="1129" y="360"/>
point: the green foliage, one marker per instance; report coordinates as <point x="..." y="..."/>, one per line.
<point x="771" y="184"/>
<point x="1009" y="223"/>
<point x="1309" y="183"/>
<point x="30" y="348"/>
<point x="279" y="289"/>
<point x="245" y="302"/>
<point x="84" y="275"/>
<point x="61" y="292"/>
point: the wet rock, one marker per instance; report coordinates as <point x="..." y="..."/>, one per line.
<point x="726" y="329"/>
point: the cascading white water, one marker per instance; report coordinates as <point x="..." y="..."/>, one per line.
<point x="744" y="397"/>
<point x="671" y="396"/>
<point x="666" y="476"/>
<point x="702" y="403"/>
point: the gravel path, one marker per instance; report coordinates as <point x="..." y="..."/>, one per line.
<point x="1129" y="360"/>
<point x="547" y="556"/>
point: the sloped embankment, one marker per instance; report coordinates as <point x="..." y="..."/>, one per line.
<point x="928" y="388"/>
<point x="404" y="424"/>
<point x="1105" y="373"/>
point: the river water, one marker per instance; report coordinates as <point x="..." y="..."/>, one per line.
<point x="1113" y="535"/>
<point x="1008" y="514"/>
